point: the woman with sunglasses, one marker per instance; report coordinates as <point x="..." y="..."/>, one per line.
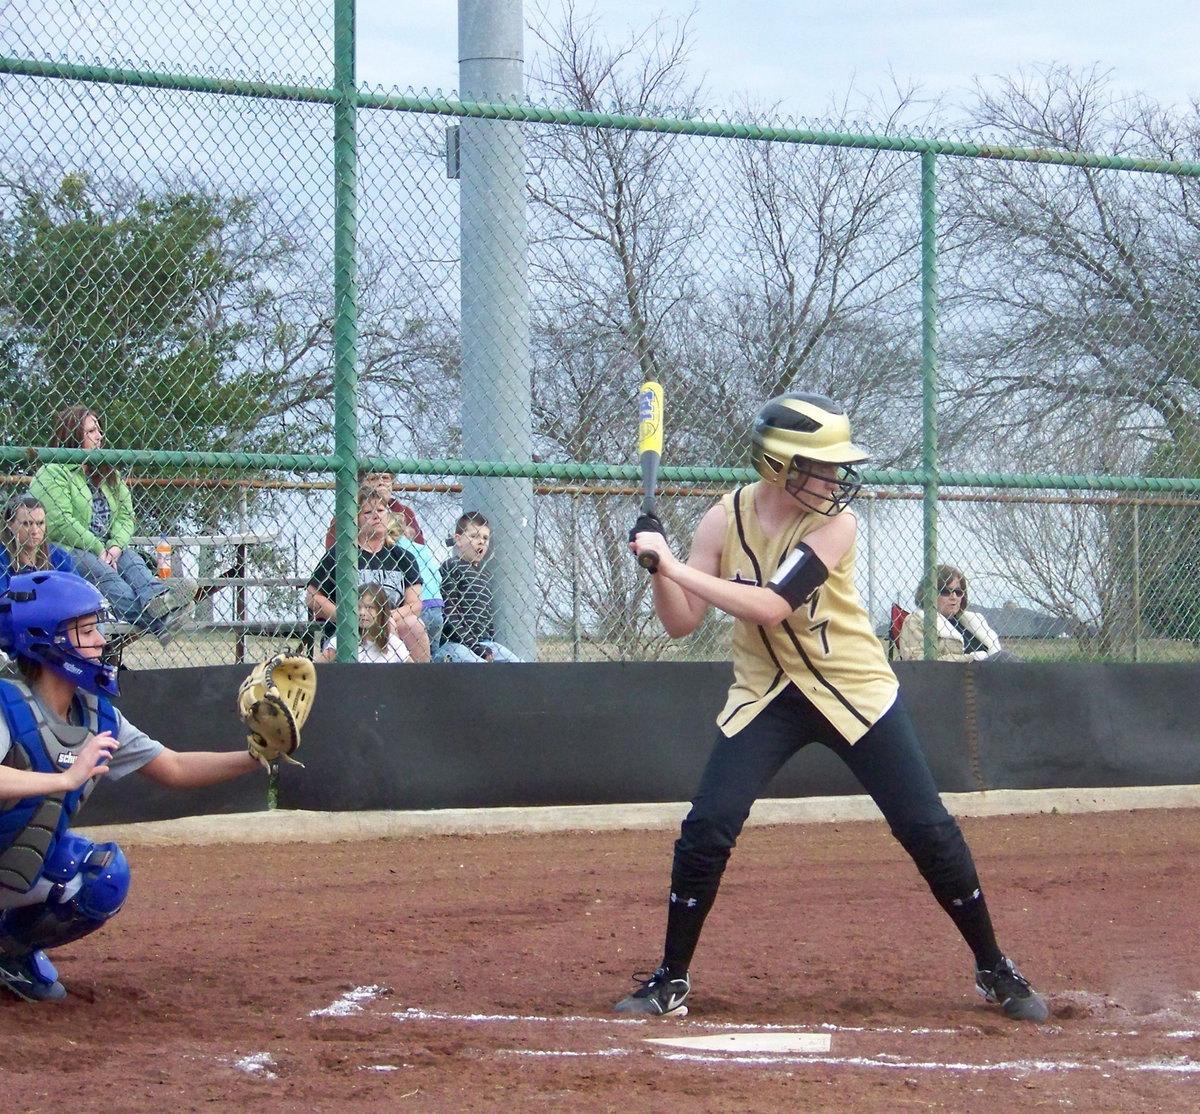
<point x="962" y="635"/>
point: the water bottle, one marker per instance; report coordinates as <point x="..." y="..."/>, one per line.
<point x="163" y="552"/>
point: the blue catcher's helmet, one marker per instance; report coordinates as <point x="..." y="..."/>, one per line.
<point x="36" y="610"/>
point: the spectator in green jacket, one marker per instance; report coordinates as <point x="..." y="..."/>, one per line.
<point x="89" y="512"/>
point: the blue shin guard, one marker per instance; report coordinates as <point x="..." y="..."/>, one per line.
<point x="96" y="878"/>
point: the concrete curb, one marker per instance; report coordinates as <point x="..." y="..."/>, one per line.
<point x="333" y="827"/>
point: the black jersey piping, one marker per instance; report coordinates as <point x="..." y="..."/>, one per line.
<point x="741" y="533"/>
<point x="780" y="675"/>
<point x="833" y="690"/>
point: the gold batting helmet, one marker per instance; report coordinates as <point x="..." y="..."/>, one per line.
<point x="794" y="430"/>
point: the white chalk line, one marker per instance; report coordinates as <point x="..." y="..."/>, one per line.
<point x="1182" y="1066"/>
<point x="563" y="1053"/>
<point x="414" y="1013"/>
<point x="353" y="1001"/>
<point x="1017" y="1067"/>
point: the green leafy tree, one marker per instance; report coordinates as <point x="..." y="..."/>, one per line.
<point x="152" y="310"/>
<point x="119" y="305"/>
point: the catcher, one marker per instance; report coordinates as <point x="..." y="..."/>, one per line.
<point x="59" y="733"/>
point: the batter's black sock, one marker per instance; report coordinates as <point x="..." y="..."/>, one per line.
<point x="944" y="860"/>
<point x="971" y="917"/>
<point x="685" y="920"/>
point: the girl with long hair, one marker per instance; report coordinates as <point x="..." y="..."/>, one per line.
<point x="89" y="512"/>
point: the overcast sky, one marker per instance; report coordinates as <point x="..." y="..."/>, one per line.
<point x="802" y="54"/>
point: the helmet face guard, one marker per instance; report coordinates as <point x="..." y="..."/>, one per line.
<point x="796" y="433"/>
<point x="36" y="614"/>
<point x="800" y="471"/>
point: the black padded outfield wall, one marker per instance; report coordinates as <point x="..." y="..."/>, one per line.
<point x="1062" y="726"/>
<point x="468" y="736"/>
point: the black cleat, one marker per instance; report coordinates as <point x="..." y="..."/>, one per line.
<point x="658" y="996"/>
<point x="1011" y="991"/>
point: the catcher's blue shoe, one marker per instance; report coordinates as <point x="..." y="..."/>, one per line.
<point x="31" y="977"/>
<point x="658" y="996"/>
<point x="1011" y="991"/>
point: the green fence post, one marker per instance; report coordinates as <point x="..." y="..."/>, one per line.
<point x="929" y="459"/>
<point x="345" y="326"/>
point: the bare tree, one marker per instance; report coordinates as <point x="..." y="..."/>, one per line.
<point x="730" y="270"/>
<point x="1061" y="558"/>
<point x="619" y="241"/>
<point x="828" y="291"/>
<point x="619" y="200"/>
<point x="1075" y="288"/>
<point x="407" y="355"/>
<point x="1071" y="333"/>
<point x="1072" y="553"/>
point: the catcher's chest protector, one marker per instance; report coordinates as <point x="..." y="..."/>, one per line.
<point x="29" y="827"/>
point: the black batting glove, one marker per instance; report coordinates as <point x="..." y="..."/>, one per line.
<point x="647" y="524"/>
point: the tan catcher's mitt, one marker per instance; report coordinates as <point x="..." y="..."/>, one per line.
<point x="273" y="703"/>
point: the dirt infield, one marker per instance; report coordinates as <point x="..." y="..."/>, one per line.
<point x="477" y="973"/>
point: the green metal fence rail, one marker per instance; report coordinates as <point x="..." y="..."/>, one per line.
<point x="255" y="284"/>
<point x="541" y="114"/>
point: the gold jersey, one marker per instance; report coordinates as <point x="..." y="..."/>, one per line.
<point x="826" y="647"/>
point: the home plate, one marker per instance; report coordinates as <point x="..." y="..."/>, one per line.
<point x="750" y="1042"/>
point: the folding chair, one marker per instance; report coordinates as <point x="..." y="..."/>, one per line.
<point x="898" y="617"/>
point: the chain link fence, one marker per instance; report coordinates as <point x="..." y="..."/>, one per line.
<point x="264" y="283"/>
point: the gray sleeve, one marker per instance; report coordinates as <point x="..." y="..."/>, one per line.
<point x="136" y="749"/>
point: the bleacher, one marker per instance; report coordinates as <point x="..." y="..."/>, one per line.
<point x="237" y="578"/>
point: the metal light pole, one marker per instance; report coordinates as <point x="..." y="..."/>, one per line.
<point x="496" y="408"/>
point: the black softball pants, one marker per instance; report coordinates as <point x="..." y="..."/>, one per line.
<point x="890" y="765"/>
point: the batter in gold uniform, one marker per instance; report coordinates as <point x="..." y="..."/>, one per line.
<point x="778" y="555"/>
